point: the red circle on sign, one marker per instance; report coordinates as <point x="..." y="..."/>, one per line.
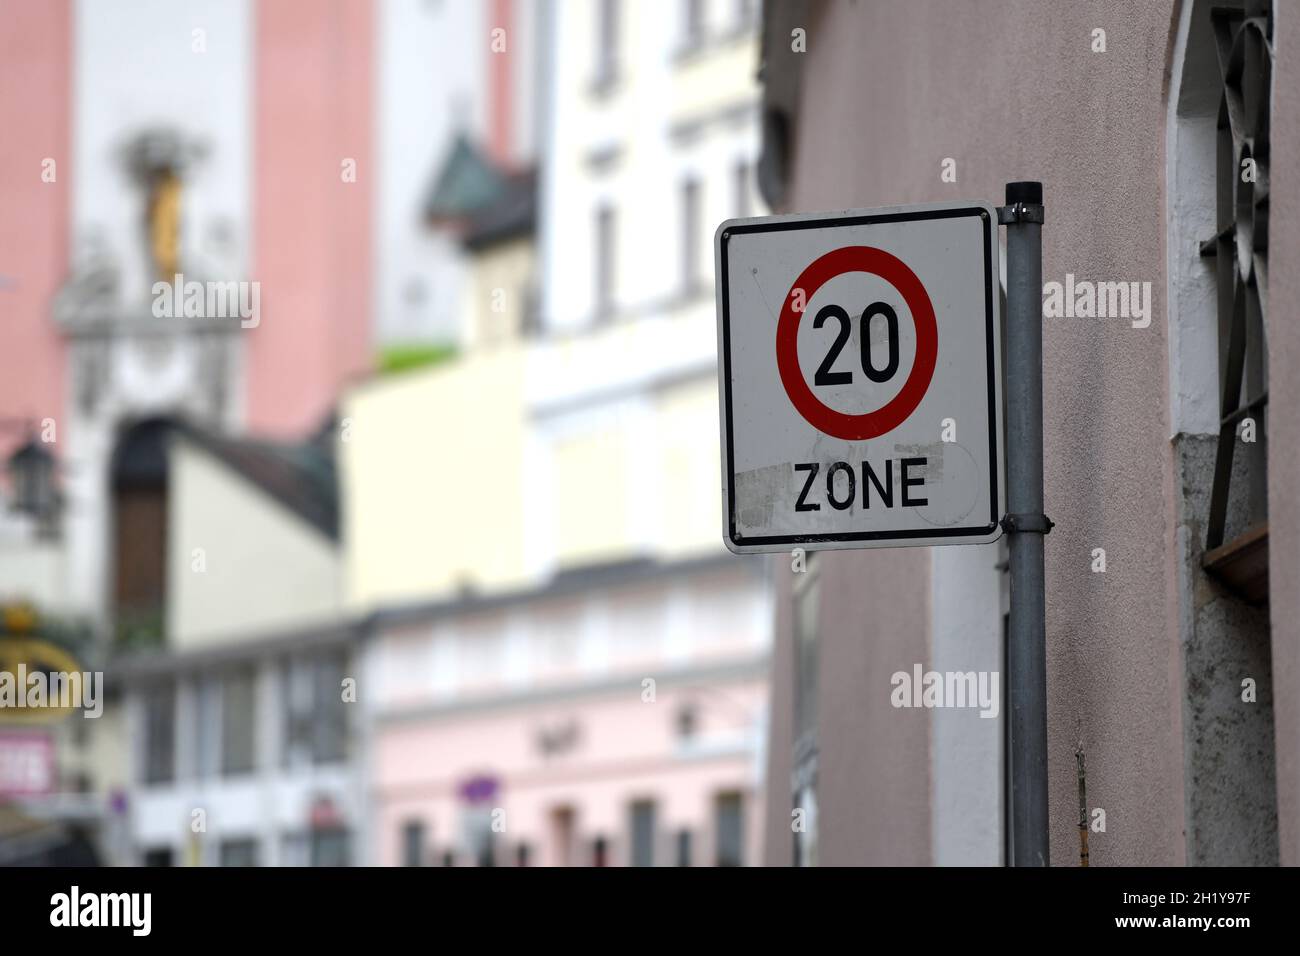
<point x="820" y="415"/>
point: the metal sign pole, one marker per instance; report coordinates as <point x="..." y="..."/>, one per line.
<point x="1025" y="522"/>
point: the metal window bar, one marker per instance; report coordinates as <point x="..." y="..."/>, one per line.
<point x="1240" y="247"/>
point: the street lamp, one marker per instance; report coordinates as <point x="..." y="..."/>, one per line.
<point x="31" y="472"/>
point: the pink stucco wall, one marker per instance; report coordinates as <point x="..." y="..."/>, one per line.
<point x="625" y="751"/>
<point x="36" y="49"/>
<point x="313" y="106"/>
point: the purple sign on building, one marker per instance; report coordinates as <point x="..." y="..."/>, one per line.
<point x="478" y="789"/>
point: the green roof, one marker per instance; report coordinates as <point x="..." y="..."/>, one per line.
<point x="466" y="182"/>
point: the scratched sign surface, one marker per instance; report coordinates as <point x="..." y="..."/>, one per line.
<point x="860" y="378"/>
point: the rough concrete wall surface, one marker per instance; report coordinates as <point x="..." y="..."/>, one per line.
<point x="1231" y="801"/>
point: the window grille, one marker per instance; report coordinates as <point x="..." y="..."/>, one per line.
<point x="1240" y="248"/>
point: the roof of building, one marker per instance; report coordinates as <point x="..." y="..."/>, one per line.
<point x="466" y="182"/>
<point x="488" y="204"/>
<point x="511" y="215"/>
<point x="301" y="476"/>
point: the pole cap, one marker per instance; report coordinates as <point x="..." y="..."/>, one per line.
<point x="1030" y="193"/>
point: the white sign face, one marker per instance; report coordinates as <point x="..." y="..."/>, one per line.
<point x="860" y="375"/>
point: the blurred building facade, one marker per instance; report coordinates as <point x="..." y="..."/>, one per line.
<point x="248" y="744"/>
<point x="165" y="143"/>
<point x="509" y="593"/>
<point x="244" y="745"/>
<point x="1171" y="651"/>
<point x="611" y="716"/>
<point x="570" y="669"/>
<point x="435" y="91"/>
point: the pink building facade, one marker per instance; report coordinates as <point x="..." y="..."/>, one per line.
<point x="35" y="105"/>
<point x="230" y="143"/>
<point x="313" y="179"/>
<point x="613" y="717"/>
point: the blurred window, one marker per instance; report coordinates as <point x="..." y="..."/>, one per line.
<point x="298" y="693"/>
<point x="605" y="261"/>
<point x="207" y="736"/>
<point x="159" y="729"/>
<point x="729" y="823"/>
<point x="740" y="175"/>
<point x="330" y="847"/>
<point x="238" y="852"/>
<point x="687" y="722"/>
<point x="413" y="843"/>
<point x="683" y="847"/>
<point x="691" y="225"/>
<point x="562" y="836"/>
<point x="158" y="856"/>
<point x="643" y="833"/>
<point x="530" y="321"/>
<point x="330" y="742"/>
<point x="477" y="834"/>
<point x="607" y="29"/>
<point x="486" y="848"/>
<point x="294" y="850"/>
<point x="692" y="23"/>
<point x="315" y="718"/>
<point x="238" y="722"/>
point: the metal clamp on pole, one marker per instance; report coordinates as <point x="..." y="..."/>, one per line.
<point x="1025" y="523"/>
<point x="1020" y="212"/>
<point x="1029" y="524"/>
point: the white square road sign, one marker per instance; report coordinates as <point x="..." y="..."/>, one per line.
<point x="860" y="374"/>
